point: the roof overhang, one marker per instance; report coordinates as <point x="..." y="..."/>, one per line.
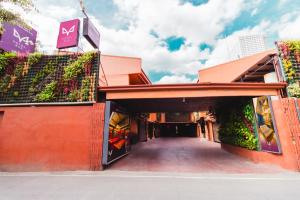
<point x="192" y="90"/>
<point x="234" y="70"/>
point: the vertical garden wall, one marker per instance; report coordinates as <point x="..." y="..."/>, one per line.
<point x="237" y="119"/>
<point x="289" y="53"/>
<point x="48" y="78"/>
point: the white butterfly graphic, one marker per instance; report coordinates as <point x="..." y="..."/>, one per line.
<point x="71" y="30"/>
<point x="22" y="39"/>
<point x="110" y="152"/>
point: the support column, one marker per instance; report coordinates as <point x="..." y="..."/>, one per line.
<point x="96" y="138"/>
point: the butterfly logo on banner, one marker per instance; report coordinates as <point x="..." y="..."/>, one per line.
<point x="71" y="30"/>
<point x="22" y="39"/>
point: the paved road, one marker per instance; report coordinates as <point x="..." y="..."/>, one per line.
<point x="115" y="185"/>
<point x="187" y="155"/>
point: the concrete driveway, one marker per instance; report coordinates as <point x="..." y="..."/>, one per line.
<point x="187" y="155"/>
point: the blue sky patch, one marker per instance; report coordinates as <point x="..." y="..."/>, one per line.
<point x="195" y="2"/>
<point x="174" y="43"/>
<point x="204" y="46"/>
<point x="156" y="76"/>
<point x="106" y="12"/>
<point x="267" y="10"/>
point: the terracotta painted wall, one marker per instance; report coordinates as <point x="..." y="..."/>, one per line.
<point x="51" y="138"/>
<point x="117" y="69"/>
<point x="288" y="158"/>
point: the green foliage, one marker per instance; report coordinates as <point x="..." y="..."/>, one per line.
<point x="237" y="125"/>
<point x="5" y="58"/>
<point x="4" y="82"/>
<point x="74" y="95"/>
<point x="24" y="4"/>
<point x="50" y="68"/>
<point x="294" y="90"/>
<point x="294" y="46"/>
<point x="18" y="70"/>
<point x="77" y="67"/>
<point x="289" y="69"/>
<point x="12" y="17"/>
<point x="48" y="93"/>
<point x="290" y="55"/>
<point x="34" y="58"/>
<point x="248" y="112"/>
<point x="16" y="94"/>
<point x="83" y="93"/>
<point x="85" y="89"/>
<point x="27" y="80"/>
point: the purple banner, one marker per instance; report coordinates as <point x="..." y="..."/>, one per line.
<point x="68" y="34"/>
<point x="18" y="39"/>
<point x="91" y="33"/>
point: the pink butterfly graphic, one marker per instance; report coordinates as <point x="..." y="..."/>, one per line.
<point x="22" y="39"/>
<point x="71" y="30"/>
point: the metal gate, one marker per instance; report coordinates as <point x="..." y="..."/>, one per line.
<point x="291" y="110"/>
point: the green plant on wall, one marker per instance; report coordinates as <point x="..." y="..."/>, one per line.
<point x="5" y="58"/>
<point x="248" y="111"/>
<point x="16" y="94"/>
<point x="237" y="120"/>
<point x="74" y="95"/>
<point x="27" y="80"/>
<point x="48" y="93"/>
<point x="4" y="83"/>
<point x="49" y="69"/>
<point x="83" y="94"/>
<point x="77" y="67"/>
<point x="294" y="90"/>
<point x="294" y="46"/>
<point x="18" y="70"/>
<point x="34" y="58"/>
<point x="289" y="70"/>
<point x="290" y="57"/>
<point x="85" y="89"/>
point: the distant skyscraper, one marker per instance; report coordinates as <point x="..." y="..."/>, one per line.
<point x="252" y="44"/>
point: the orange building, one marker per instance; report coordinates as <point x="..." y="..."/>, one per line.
<point x="86" y="136"/>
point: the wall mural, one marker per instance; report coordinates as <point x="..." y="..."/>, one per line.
<point x="266" y="127"/>
<point x="116" y="133"/>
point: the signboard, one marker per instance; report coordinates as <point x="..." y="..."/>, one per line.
<point x="91" y="33"/>
<point x="18" y="39"/>
<point x="68" y="35"/>
<point x="266" y="126"/>
<point x="116" y="133"/>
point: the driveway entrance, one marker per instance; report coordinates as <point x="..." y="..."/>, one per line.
<point x="186" y="154"/>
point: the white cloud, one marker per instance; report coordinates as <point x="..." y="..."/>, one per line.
<point x="167" y="18"/>
<point x="289" y="29"/>
<point x="175" y="79"/>
<point x="197" y="24"/>
<point x="227" y="49"/>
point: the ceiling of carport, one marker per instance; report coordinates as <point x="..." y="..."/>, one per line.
<point x="171" y="105"/>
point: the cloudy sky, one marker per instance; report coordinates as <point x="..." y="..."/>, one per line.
<point x="174" y="38"/>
